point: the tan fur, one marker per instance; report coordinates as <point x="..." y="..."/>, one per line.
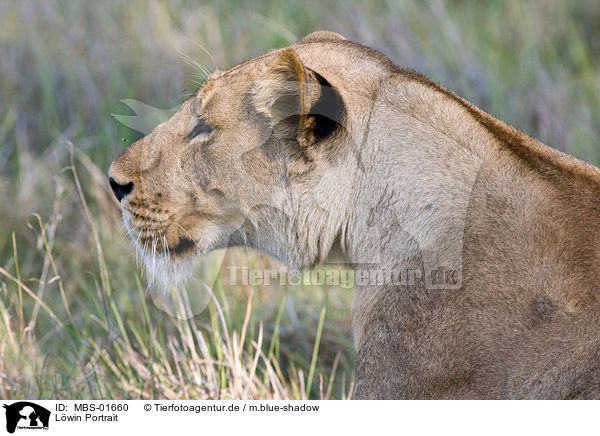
<point x="411" y="178"/>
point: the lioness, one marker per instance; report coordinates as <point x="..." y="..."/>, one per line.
<point x="477" y="245"/>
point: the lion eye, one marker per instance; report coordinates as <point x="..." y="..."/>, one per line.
<point x="201" y="131"/>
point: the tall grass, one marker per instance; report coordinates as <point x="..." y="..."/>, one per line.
<point x="109" y="338"/>
<point x="76" y="319"/>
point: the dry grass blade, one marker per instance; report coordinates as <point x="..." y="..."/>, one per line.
<point x="32" y="295"/>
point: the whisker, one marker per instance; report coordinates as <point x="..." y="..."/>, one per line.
<point x="204" y="73"/>
<point x="202" y="47"/>
<point x="125" y="235"/>
<point x="190" y="236"/>
<point x="144" y="267"/>
<point x="153" y="256"/>
<point x="166" y="247"/>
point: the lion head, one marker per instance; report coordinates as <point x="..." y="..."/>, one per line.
<point x="258" y="156"/>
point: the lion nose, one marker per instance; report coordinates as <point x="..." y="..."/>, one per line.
<point x="121" y="191"/>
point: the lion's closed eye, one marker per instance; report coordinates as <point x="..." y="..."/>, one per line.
<point x="200" y="132"/>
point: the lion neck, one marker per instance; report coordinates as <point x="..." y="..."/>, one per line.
<point x="419" y="165"/>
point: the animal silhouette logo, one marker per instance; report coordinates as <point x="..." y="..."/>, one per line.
<point x="26" y="415"/>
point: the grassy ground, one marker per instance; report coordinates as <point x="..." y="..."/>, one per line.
<point x="76" y="320"/>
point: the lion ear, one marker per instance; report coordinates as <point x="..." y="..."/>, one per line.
<point x="301" y="104"/>
<point x="286" y="90"/>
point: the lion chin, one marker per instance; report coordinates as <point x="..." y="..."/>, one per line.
<point x="165" y="270"/>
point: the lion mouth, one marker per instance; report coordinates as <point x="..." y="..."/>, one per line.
<point x="183" y="246"/>
<point x="152" y="235"/>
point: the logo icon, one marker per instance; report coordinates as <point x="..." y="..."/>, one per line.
<point x="26" y="415"/>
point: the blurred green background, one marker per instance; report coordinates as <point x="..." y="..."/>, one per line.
<point x="75" y="320"/>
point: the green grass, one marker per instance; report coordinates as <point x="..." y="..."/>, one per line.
<point x="76" y="320"/>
